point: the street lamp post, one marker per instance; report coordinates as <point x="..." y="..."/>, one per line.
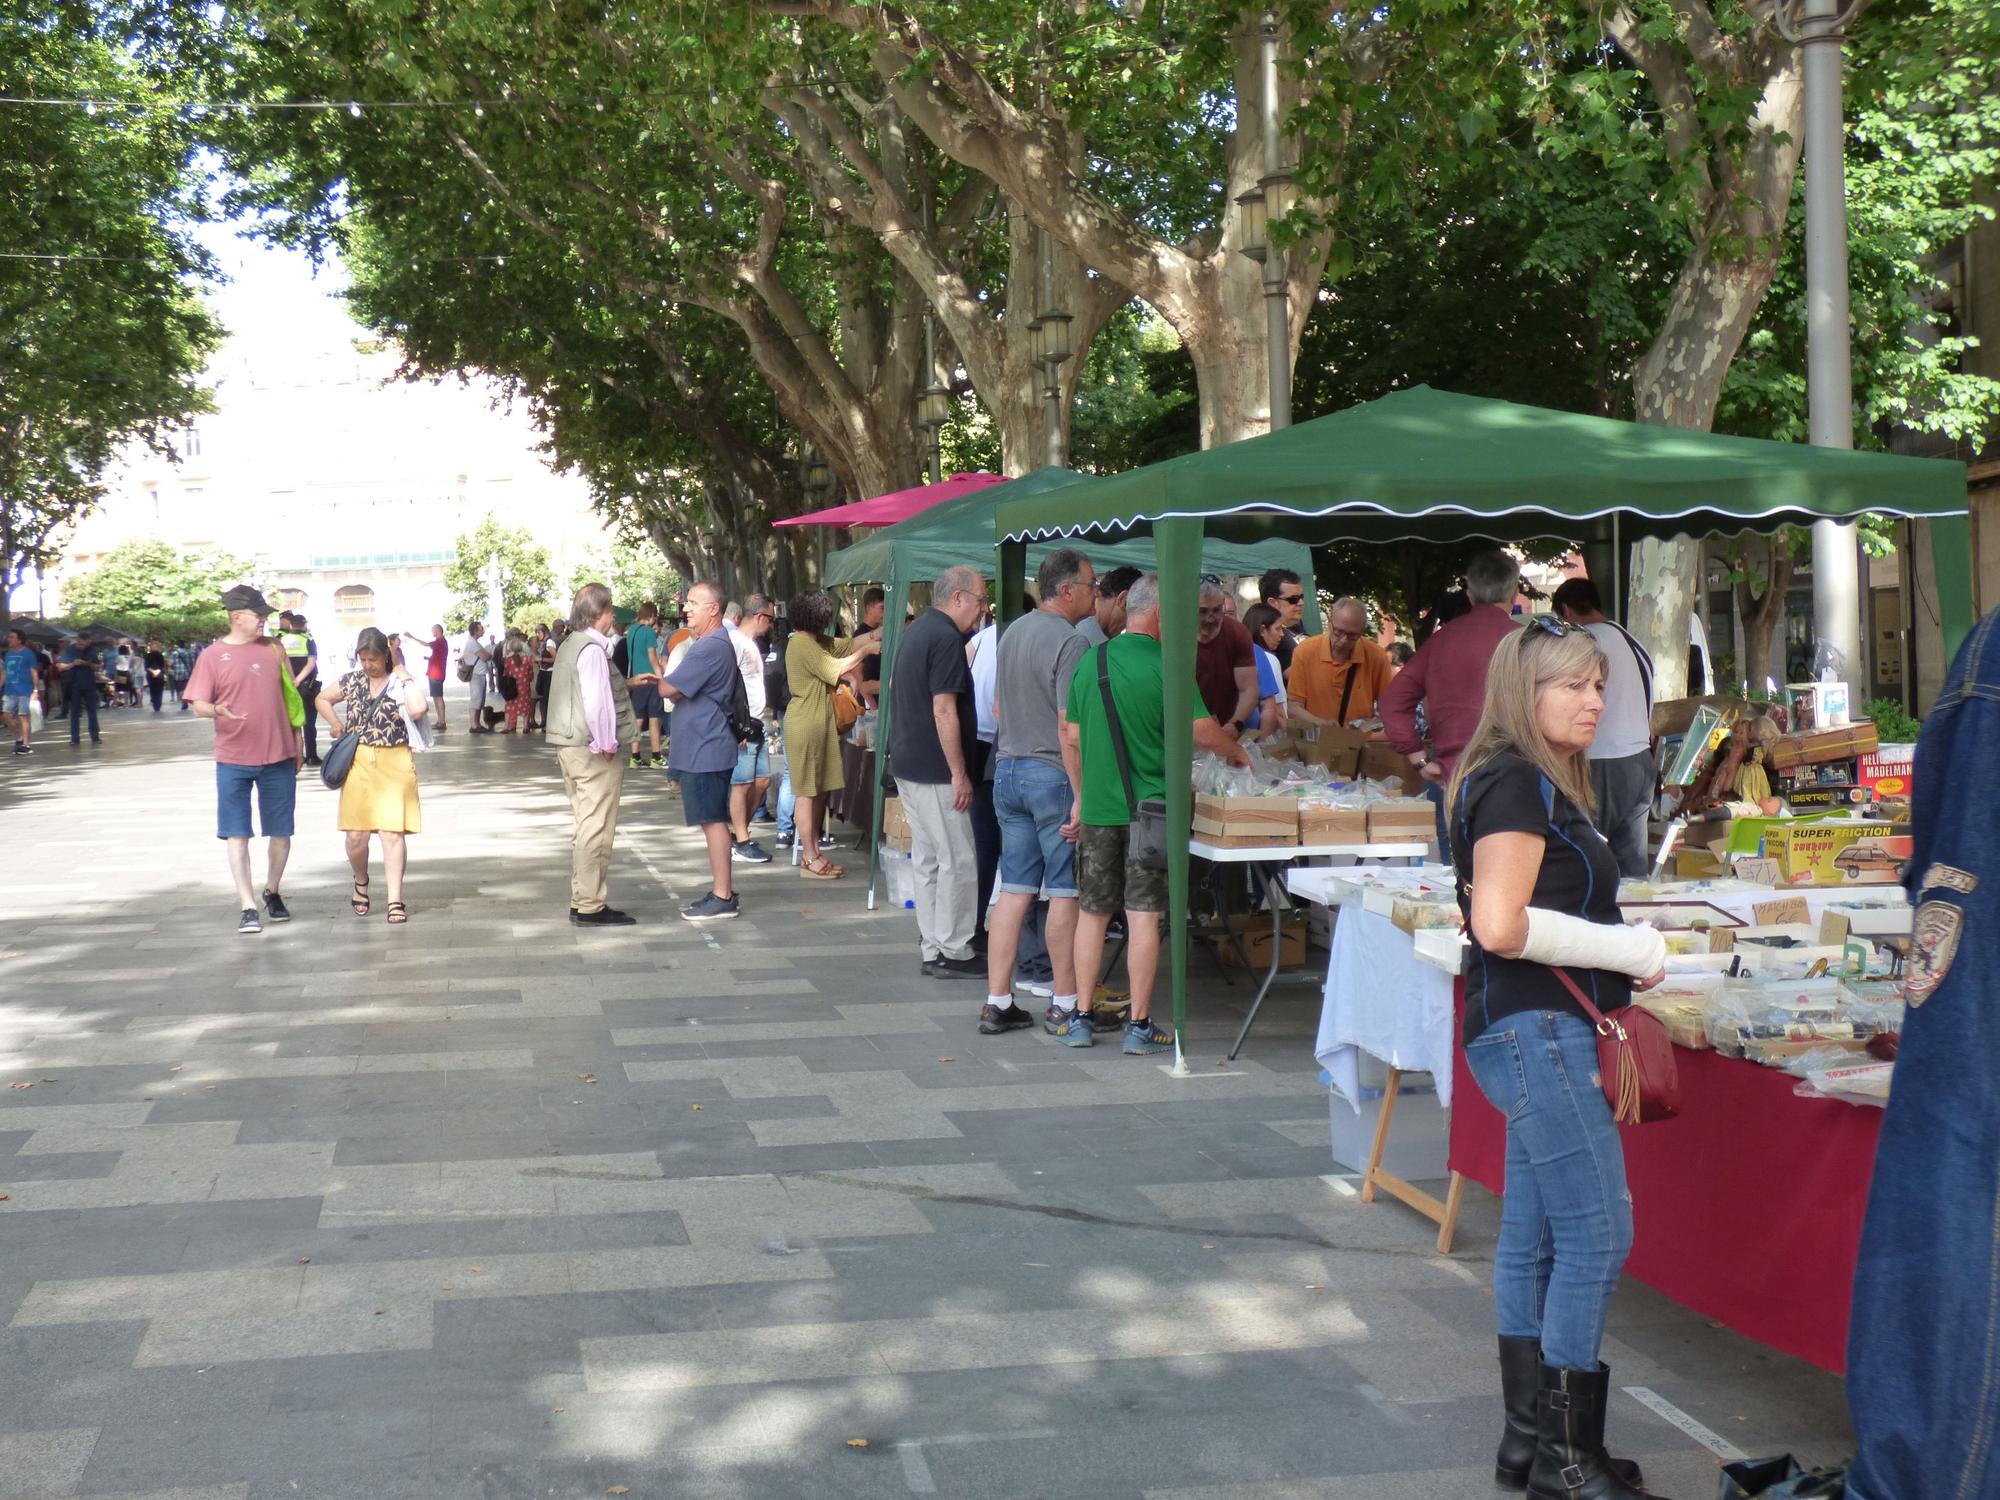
<point x="933" y="403"/>
<point x="1049" y="348"/>
<point x="1818" y="27"/>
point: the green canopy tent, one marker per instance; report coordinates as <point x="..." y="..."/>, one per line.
<point x="960" y="532"/>
<point x="1428" y="466"/>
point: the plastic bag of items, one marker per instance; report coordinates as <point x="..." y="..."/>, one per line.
<point x="1771" y="1021"/>
<point x="1781" y="1479"/>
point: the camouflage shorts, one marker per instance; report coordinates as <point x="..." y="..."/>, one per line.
<point x="1107" y="882"/>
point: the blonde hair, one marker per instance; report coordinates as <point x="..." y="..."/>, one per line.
<point x="1523" y="664"/>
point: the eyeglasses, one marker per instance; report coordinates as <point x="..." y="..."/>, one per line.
<point x="1555" y="625"/>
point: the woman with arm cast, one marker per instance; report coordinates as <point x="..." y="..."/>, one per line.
<point x="1539" y="887"/>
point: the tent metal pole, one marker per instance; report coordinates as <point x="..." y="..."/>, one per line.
<point x="1010" y="580"/>
<point x="1178" y="544"/>
<point x="895" y="605"/>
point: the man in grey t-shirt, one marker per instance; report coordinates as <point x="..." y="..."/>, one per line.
<point x="1034" y="794"/>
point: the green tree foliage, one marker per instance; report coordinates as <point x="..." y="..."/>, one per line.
<point x="102" y="341"/>
<point x="527" y="581"/>
<point x="636" y="571"/>
<point x="152" y="588"/>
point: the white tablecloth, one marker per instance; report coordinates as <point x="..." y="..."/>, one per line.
<point x="1381" y="1000"/>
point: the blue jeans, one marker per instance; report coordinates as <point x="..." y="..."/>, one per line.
<point x="1566" y="1216"/>
<point x="1435" y="794"/>
<point x="787" y="804"/>
<point x="80" y="695"/>
<point x="1923" y="1350"/>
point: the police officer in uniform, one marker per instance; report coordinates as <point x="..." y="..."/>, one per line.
<point x="303" y="652"/>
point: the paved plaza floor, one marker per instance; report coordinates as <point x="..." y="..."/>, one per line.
<point x="491" y="1206"/>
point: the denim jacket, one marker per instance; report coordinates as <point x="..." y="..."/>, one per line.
<point x="1924" y="1346"/>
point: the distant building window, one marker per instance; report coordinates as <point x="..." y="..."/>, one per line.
<point x="354" y="605"/>
<point x="290" y="598"/>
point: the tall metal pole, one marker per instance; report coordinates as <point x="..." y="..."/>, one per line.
<point x="1052" y="412"/>
<point x="1829" y="392"/>
<point x="1277" y="305"/>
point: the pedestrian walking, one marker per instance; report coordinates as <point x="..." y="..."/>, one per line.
<point x="814" y="662"/>
<point x="707" y="691"/>
<point x="1622" y="772"/>
<point x="180" y="662"/>
<point x="1539" y="887"/>
<point x="380" y="700"/>
<point x="123" y="692"/>
<point x="751" y="778"/>
<point x="932" y="728"/>
<point x="475" y="668"/>
<point x="302" y="652"/>
<point x="22" y="687"/>
<point x="154" y="666"/>
<point x="517" y="667"/>
<point x="79" y="673"/>
<point x="643" y="664"/>
<point x="547" y="643"/>
<point x="244" y="683"/>
<point x="1115" y="772"/>
<point x="590" y="719"/>
<point x="1447" y="678"/>
<point x="1033" y="795"/>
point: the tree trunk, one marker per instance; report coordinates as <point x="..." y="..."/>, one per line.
<point x="1225" y="337"/>
<point x="1762" y="616"/>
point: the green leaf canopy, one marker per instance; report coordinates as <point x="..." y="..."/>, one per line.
<point x="1427" y="465"/>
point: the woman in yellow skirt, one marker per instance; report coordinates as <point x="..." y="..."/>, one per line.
<point x="379" y="796"/>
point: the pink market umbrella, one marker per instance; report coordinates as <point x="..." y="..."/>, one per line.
<point x="899" y="505"/>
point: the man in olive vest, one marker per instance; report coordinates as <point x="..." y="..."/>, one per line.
<point x="590" y="716"/>
<point x="303" y="653"/>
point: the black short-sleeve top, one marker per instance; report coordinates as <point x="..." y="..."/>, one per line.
<point x="1579" y="876"/>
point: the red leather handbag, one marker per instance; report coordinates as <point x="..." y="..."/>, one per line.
<point x="1635" y="1060"/>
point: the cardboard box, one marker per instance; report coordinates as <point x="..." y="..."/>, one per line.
<point x="1246" y="822"/>
<point x="1890" y="771"/>
<point x="1697" y="864"/>
<point x="1255" y="932"/>
<point x="1820" y="746"/>
<point x="895" y="825"/>
<point x="1412" y="820"/>
<point x="1352" y="754"/>
<point x="1838" y="851"/>
<point x="1333" y="825"/>
<point x="1817" y="705"/>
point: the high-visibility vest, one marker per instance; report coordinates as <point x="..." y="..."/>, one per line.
<point x="296" y="644"/>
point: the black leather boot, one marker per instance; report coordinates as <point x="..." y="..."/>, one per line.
<point x="1570" y="1462"/>
<point x="1520" y="1376"/>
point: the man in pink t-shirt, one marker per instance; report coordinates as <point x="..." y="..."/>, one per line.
<point x="238" y="682"/>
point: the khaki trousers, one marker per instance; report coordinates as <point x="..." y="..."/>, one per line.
<point x="593" y="782"/>
<point x="947" y="870"/>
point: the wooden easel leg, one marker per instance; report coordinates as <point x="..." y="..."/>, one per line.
<point x="1448" y="1230"/>
<point x="1390" y="1089"/>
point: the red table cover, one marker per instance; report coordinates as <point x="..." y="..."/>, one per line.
<point x="1746" y="1207"/>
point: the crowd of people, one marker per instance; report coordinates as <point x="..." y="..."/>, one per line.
<point x="53" y="678"/>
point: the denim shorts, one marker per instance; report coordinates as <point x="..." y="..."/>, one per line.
<point x="704" y="797"/>
<point x="1031" y="800"/>
<point x="277" y="791"/>
<point x="646" y="701"/>
<point x="753" y="763"/>
<point x="16" y="704"/>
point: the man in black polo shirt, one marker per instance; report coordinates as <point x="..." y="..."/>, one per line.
<point x="931" y="731"/>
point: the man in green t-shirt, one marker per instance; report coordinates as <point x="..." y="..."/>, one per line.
<point x="1107" y="882"/>
<point x="642" y="680"/>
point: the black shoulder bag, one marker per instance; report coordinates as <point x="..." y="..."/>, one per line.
<point x="1146" y="839"/>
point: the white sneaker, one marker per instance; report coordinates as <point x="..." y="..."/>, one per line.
<point x="1041" y="989"/>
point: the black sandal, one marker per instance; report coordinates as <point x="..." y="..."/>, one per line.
<point x="359" y="900"/>
<point x="398" y="913"/>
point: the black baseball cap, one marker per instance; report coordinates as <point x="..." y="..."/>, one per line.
<point x="245" y="597"/>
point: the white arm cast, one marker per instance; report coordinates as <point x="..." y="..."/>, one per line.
<point x="1570" y="942"/>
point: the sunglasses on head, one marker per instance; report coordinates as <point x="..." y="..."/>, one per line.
<point x="1554" y="625"/>
<point x="1212" y="578"/>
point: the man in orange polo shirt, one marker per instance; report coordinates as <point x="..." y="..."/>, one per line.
<point x="1336" y="678"/>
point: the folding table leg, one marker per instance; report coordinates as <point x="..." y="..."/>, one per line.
<point x="1448" y="1230"/>
<point x="1391" y="1087"/>
<point x="1271" y="972"/>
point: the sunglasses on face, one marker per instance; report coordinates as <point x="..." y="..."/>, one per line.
<point x="1291" y="598"/>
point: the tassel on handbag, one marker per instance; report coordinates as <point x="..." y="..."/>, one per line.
<point x="1635" y="1060"/>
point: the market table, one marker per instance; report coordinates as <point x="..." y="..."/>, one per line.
<point x="854" y="803"/>
<point x="1746" y="1207"/>
<point x="1266" y="864"/>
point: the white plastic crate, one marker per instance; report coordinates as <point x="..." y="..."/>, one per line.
<point x="899" y="878"/>
<point x="1415" y="1150"/>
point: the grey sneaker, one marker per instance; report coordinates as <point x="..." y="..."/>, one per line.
<point x="251" y="921"/>
<point x="1074" y="1030"/>
<point x="1144" y="1039"/>
<point x="710" y="908"/>
<point x="749" y="852"/>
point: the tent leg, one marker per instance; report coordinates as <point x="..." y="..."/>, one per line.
<point x="1010" y="580"/>
<point x="1178" y="546"/>
<point x="894" y="606"/>
<point x="1951" y="554"/>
